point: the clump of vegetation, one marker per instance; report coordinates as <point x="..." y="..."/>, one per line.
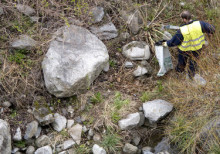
<point x="97" y="98"/>
<point x="82" y="148"/>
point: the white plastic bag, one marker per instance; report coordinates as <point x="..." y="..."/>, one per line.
<point x="164" y="58"/>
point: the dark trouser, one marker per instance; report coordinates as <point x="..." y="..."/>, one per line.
<point x="183" y="56"/>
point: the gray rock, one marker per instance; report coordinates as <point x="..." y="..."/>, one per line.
<point x="71" y="111"/>
<point x="142" y="119"/>
<point x="146" y="65"/>
<point x="140" y="71"/>
<point x="136" y="139"/>
<point x="30" y="150"/>
<point x="44" y="150"/>
<point x="136" y="50"/>
<point x="6" y="104"/>
<point x="125" y="35"/>
<point x="24" y="42"/>
<point x="17" y="136"/>
<point x="167" y="35"/>
<point x="91" y="133"/>
<point x="38" y="132"/>
<point x="97" y="14"/>
<point x="96" y="149"/>
<point x="128" y="64"/>
<point x="97" y="137"/>
<point x="1" y="11"/>
<point x="43" y="116"/>
<point x="27" y="10"/>
<point x="5" y="137"/>
<point x="42" y="141"/>
<point x="15" y="150"/>
<point x="59" y="123"/>
<point x="130" y="149"/>
<point x="63" y="152"/>
<point x="131" y="121"/>
<point x="70" y="123"/>
<point x="75" y="132"/>
<point x="18" y="152"/>
<point x="156" y="109"/>
<point x="34" y="19"/>
<point x="74" y="60"/>
<point x="163" y="146"/>
<point x="105" y="32"/>
<point x="133" y="19"/>
<point x="31" y="130"/>
<point x="68" y="144"/>
<point x="84" y="129"/>
<point x="199" y="80"/>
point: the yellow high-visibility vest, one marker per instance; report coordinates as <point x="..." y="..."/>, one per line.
<point x="193" y="37"/>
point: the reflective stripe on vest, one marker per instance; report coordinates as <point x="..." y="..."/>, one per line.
<point x="193" y="37"/>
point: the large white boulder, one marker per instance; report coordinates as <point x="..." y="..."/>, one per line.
<point x="74" y="60"/>
<point x="156" y="109"/>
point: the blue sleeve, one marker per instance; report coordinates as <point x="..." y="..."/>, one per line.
<point x="176" y="39"/>
<point x="207" y="28"/>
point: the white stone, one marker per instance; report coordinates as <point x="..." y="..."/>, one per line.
<point x="128" y="64"/>
<point x="42" y="141"/>
<point x="74" y="60"/>
<point x="75" y="132"/>
<point x="97" y="14"/>
<point x="17" y="136"/>
<point x="1" y="11"/>
<point x="96" y="149"/>
<point x="140" y="71"/>
<point x="44" y="150"/>
<point x="130" y="149"/>
<point x="131" y="121"/>
<point x="37" y="134"/>
<point x="68" y="144"/>
<point x="30" y="150"/>
<point x="60" y="122"/>
<point x="6" y="104"/>
<point x="91" y="133"/>
<point x="199" y="80"/>
<point x="156" y="109"/>
<point x="70" y="123"/>
<point x="5" y="137"/>
<point x="136" y="50"/>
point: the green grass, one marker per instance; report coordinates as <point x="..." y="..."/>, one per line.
<point x="82" y="149"/>
<point x="20" y="144"/>
<point x="111" y="141"/>
<point x="96" y="98"/>
<point x="146" y="96"/>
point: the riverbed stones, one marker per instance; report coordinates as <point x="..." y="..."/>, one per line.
<point x="131" y="121"/>
<point x="27" y="10"/>
<point x="44" y="150"/>
<point x="31" y="130"/>
<point x="42" y="141"/>
<point x="6" y="104"/>
<point x="136" y="50"/>
<point x="97" y="138"/>
<point x="105" y="32"/>
<point x="59" y="123"/>
<point x="68" y="144"/>
<point x="128" y="64"/>
<point x="96" y="149"/>
<point x="156" y="109"/>
<point x="163" y="146"/>
<point x="130" y="149"/>
<point x="74" y="60"/>
<point x="75" y="132"/>
<point x="17" y="136"/>
<point x="5" y="137"/>
<point x="97" y="14"/>
<point x="70" y="123"/>
<point x="24" y="42"/>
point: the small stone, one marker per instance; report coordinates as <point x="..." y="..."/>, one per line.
<point x="128" y="64"/>
<point x="38" y="132"/>
<point x="27" y="10"/>
<point x="78" y="119"/>
<point x="97" y="138"/>
<point x="30" y="150"/>
<point x="35" y="19"/>
<point x="91" y="133"/>
<point x="24" y="42"/>
<point x="17" y="136"/>
<point x="44" y="116"/>
<point x="70" y="123"/>
<point x="1" y="11"/>
<point x="130" y="149"/>
<point x="59" y="123"/>
<point x="199" y="80"/>
<point x="84" y="129"/>
<point x="136" y="140"/>
<point x="182" y="3"/>
<point x="147" y="149"/>
<point x="68" y="144"/>
<point x="125" y="35"/>
<point x="131" y="121"/>
<point x="71" y="111"/>
<point x="96" y="149"/>
<point x="44" y="150"/>
<point x="64" y="112"/>
<point x="6" y="104"/>
<point x="63" y="152"/>
<point x="31" y="130"/>
<point x="140" y="71"/>
<point x="42" y="141"/>
<point x="75" y="132"/>
<point x="98" y="14"/>
<point x="15" y="150"/>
